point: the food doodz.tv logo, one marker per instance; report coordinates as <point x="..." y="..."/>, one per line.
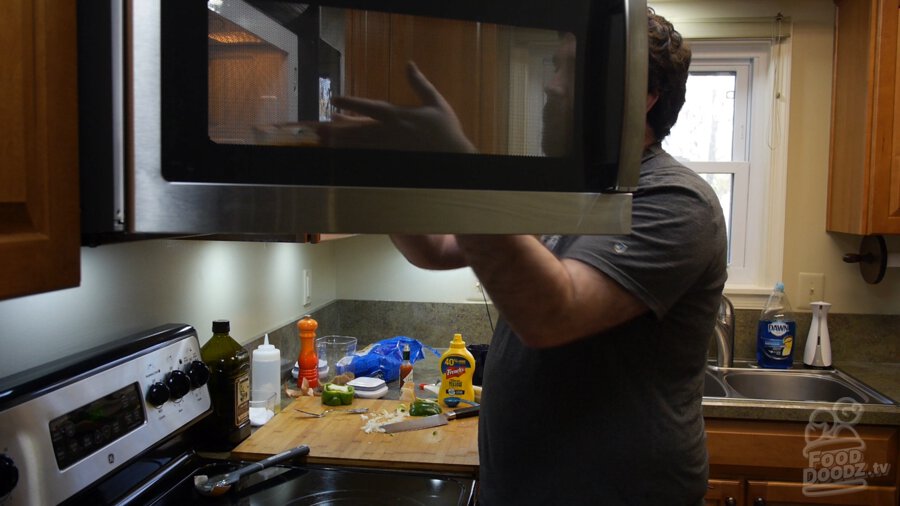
<point x="836" y="452"/>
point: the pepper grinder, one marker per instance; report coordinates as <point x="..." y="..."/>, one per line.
<point x="817" y="354"/>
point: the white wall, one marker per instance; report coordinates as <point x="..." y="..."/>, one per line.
<point x="127" y="288"/>
<point x="368" y="267"/>
<point x="807" y="246"/>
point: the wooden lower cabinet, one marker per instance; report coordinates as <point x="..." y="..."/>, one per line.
<point x="779" y="493"/>
<point x="774" y="493"/>
<point x="761" y="463"/>
<point x="725" y="493"/>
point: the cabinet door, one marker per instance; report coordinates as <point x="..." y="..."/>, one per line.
<point x="773" y="493"/>
<point x="864" y="171"/>
<point x="458" y="57"/>
<point x="725" y="493"/>
<point x="886" y="204"/>
<point x="39" y="218"/>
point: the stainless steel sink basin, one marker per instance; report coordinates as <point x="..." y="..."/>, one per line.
<point x="788" y="385"/>
<point x="792" y="387"/>
<point x="713" y="386"/>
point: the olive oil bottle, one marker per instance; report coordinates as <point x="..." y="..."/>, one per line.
<point x="229" y="389"/>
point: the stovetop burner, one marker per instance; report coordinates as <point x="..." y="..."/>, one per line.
<point x="306" y="486"/>
<point x="168" y="479"/>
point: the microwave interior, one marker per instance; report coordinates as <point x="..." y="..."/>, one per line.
<point x="247" y="91"/>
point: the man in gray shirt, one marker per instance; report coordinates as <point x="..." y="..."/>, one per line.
<point x="594" y="378"/>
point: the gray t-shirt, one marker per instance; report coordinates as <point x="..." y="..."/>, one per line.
<point x="616" y="418"/>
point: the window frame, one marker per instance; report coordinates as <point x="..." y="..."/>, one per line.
<point x="759" y="183"/>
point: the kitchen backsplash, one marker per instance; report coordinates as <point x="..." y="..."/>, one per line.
<point x="854" y="338"/>
<point x="369" y="321"/>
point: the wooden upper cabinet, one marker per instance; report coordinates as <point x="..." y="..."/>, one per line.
<point x="460" y="58"/>
<point x="39" y="213"/>
<point x="864" y="171"/>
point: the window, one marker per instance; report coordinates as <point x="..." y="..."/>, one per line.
<point x="727" y="133"/>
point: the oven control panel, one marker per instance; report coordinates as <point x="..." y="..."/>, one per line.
<point x="64" y="437"/>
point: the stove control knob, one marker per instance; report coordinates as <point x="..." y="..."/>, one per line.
<point x="158" y="394"/>
<point x="179" y="384"/>
<point x="199" y="373"/>
<point x="9" y="475"/>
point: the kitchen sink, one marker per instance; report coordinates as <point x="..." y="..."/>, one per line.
<point x="792" y="387"/>
<point x="713" y="386"/>
<point x="803" y="385"/>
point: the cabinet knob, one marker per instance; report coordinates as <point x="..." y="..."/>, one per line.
<point x="729" y="501"/>
<point x="759" y="501"/>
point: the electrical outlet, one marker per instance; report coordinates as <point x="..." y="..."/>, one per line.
<point x="480" y="295"/>
<point x="812" y="287"/>
<point x="307" y="291"/>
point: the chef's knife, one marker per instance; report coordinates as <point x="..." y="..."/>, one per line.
<point x="426" y="422"/>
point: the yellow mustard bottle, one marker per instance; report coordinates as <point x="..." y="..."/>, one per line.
<point x="457" y="369"/>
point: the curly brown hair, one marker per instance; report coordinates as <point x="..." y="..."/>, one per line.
<point x="670" y="58"/>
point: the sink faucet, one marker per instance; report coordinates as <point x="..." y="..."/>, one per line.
<point x="724" y="334"/>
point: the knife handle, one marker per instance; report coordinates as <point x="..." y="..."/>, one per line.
<point x="463" y="412"/>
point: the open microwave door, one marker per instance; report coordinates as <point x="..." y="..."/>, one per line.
<point x="226" y="101"/>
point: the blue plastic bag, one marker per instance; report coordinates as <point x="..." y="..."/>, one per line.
<point x="382" y="359"/>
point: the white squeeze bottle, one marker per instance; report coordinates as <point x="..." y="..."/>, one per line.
<point x="265" y="372"/>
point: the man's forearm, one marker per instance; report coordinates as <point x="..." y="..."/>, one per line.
<point x="547" y="301"/>
<point x="525" y="281"/>
<point x="438" y="252"/>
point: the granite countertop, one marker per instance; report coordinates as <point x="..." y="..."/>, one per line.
<point x="884" y="378"/>
<point x="866" y="347"/>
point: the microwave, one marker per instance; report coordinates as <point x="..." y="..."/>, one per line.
<point x="225" y="117"/>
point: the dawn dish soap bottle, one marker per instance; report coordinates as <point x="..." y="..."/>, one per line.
<point x="776" y="332"/>
<point x="457" y="369"/>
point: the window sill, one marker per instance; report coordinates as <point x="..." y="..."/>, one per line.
<point x="747" y="296"/>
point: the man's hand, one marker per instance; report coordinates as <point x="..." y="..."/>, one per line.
<point x="433" y="126"/>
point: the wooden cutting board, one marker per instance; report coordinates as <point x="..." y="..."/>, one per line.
<point x="338" y="439"/>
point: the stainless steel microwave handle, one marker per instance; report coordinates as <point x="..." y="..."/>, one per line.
<point x="635" y="110"/>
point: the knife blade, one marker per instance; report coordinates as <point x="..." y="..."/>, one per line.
<point x="427" y="422"/>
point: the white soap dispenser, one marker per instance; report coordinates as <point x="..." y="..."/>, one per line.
<point x="265" y="372"/>
<point x="817" y="354"/>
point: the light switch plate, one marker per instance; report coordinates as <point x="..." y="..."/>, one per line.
<point x="812" y="288"/>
